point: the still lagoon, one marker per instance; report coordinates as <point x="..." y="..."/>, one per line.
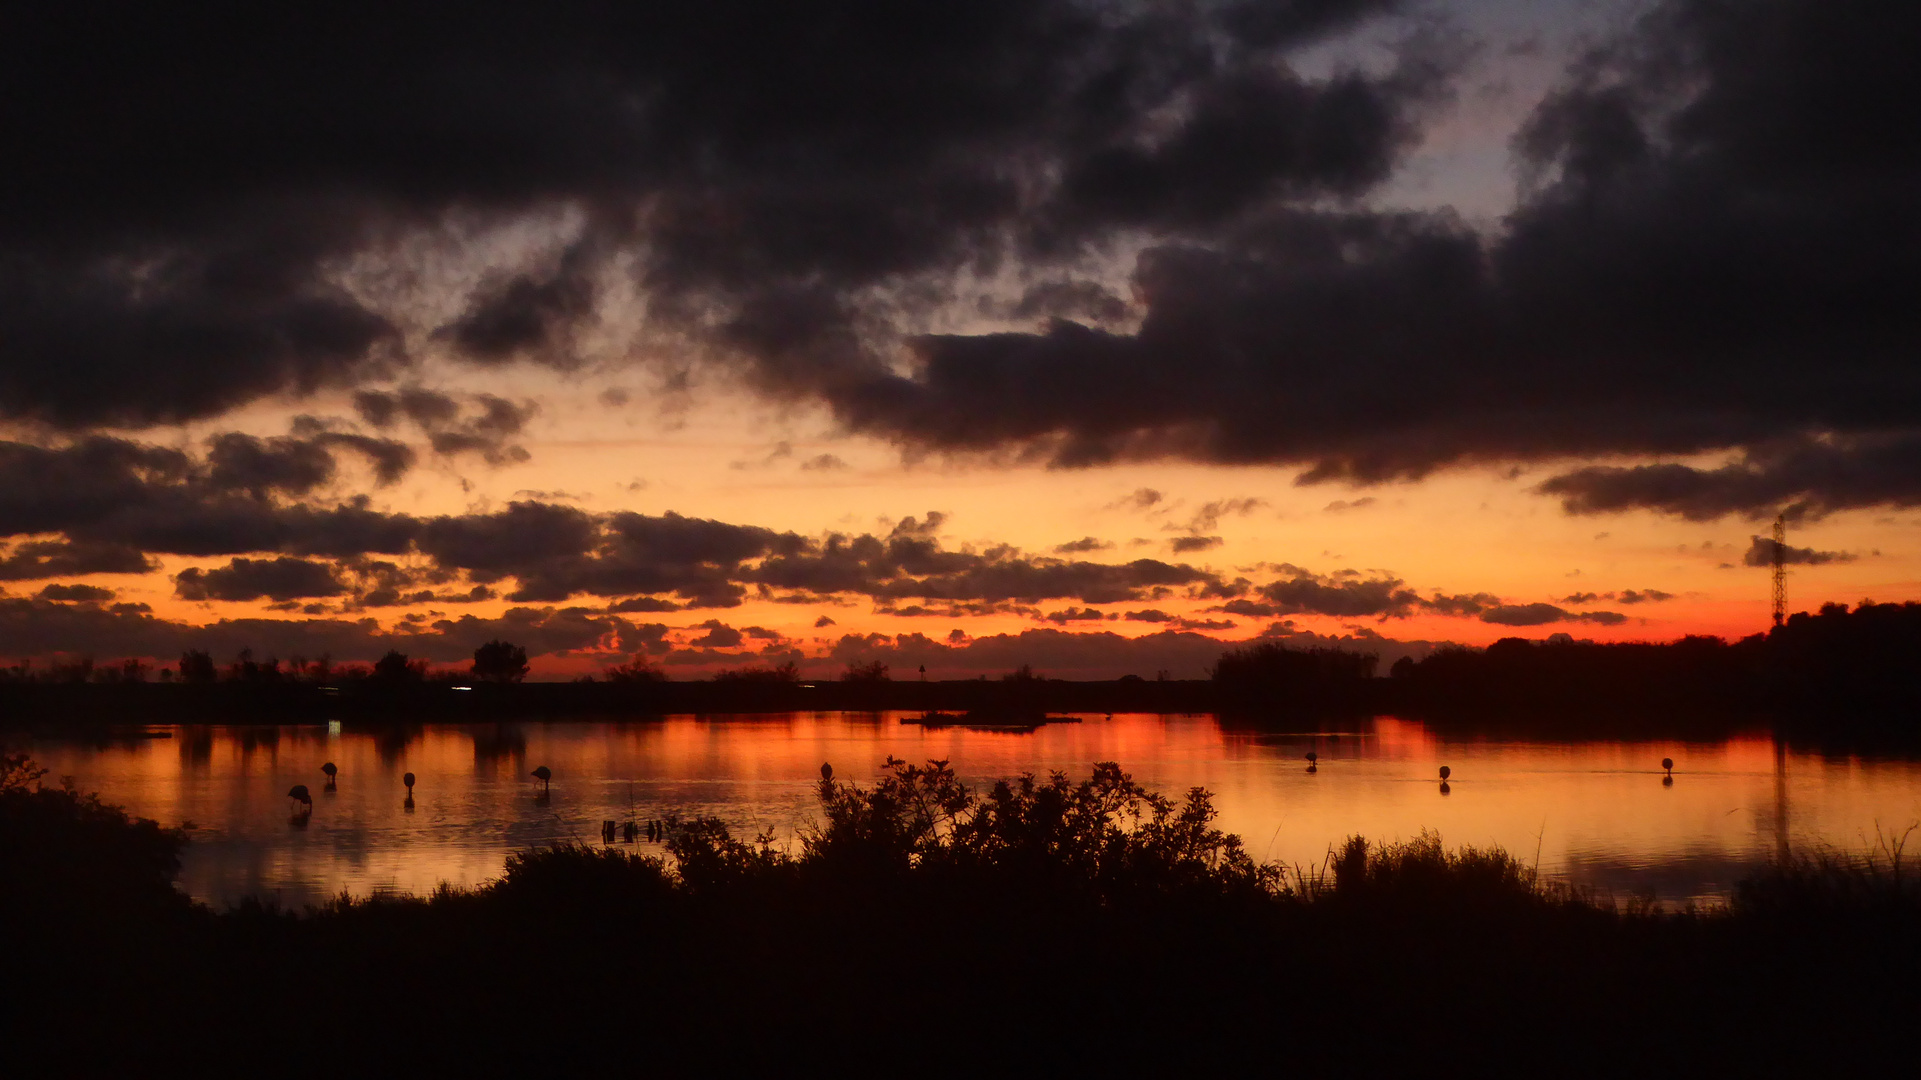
<point x="1596" y="813"/>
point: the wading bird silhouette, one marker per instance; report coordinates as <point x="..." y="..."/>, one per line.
<point x="826" y="771"/>
<point x="1313" y="761"/>
<point x="408" y="779"/>
<point x="1667" y="765"/>
<point x="1445" y="773"/>
<point x="332" y="771"/>
<point x="546" y="778"/>
<point x="301" y="795"/>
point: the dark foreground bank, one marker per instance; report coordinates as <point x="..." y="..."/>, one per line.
<point x="926" y="929"/>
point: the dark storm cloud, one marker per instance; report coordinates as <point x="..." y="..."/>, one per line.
<point x="718" y="636"/>
<point x="39" y="627"/>
<point x="1543" y="614"/>
<point x="1625" y="596"/>
<point x="910" y="563"/>
<point x="438" y="415"/>
<point x="1803" y="478"/>
<point x="83" y="593"/>
<point x="1717" y="248"/>
<point x="1642" y="596"/>
<point x="524" y="317"/>
<point x="198" y="177"/>
<point x="1181" y="545"/>
<point x="32" y="560"/>
<point x="240" y="502"/>
<point x="526" y="534"/>
<point x="251" y="579"/>
<point x="1350" y="596"/>
<point x="390" y="459"/>
<point x="259" y="466"/>
<point x="1208" y="517"/>
<point x="115" y="492"/>
<point x="1761" y="551"/>
<point x="642" y="604"/>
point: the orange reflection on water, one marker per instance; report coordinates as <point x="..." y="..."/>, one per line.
<point x="1594" y="811"/>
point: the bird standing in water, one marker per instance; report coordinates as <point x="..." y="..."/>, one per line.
<point x="1313" y="761"/>
<point x="546" y="778"/>
<point x="408" y="780"/>
<point x="331" y="770"/>
<point x="826" y="771"/>
<point x="300" y="795"/>
<point x="1667" y="765"/>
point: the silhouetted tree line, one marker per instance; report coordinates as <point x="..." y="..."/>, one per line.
<point x="1836" y="667"/>
<point x="496" y="661"/>
<point x="1835" y="671"/>
<point x="1069" y="925"/>
<point x="1268" y="675"/>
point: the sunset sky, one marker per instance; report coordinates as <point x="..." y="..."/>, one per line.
<point x="1095" y="336"/>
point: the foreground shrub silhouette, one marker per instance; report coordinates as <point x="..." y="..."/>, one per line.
<point x="922" y="925"/>
<point x="67" y="859"/>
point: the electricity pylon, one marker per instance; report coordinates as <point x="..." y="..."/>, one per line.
<point x="1780" y="568"/>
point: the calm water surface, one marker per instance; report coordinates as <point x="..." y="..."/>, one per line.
<point x="1597" y="812"/>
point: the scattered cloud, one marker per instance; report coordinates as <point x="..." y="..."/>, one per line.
<point x="1761" y="552"/>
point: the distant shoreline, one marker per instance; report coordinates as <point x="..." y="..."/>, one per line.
<point x="1627" y="713"/>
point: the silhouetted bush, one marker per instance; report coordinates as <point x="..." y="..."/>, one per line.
<point x="874" y="671"/>
<point x="394" y="667"/>
<point x="67" y="859"/>
<point x="637" y="670"/>
<point x="783" y="675"/>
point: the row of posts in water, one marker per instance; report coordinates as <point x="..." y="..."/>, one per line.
<point x="1667" y="771"/>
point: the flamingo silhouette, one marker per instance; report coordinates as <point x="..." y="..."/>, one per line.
<point x="331" y="770"/>
<point x="300" y="795"/>
<point x="1667" y="764"/>
<point x="546" y="778"/>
